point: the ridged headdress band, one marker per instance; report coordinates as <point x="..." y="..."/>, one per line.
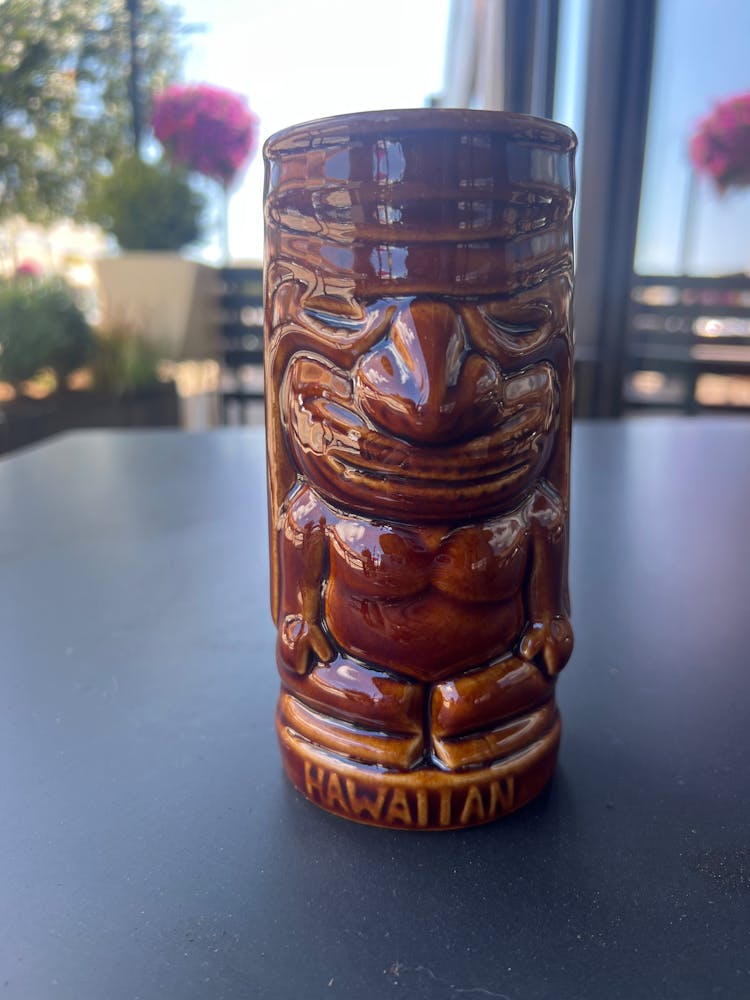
<point x="483" y="203"/>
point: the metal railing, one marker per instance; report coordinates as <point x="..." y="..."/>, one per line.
<point x="241" y="347"/>
<point x="688" y="343"/>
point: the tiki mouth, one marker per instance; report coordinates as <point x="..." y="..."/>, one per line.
<point x="429" y="500"/>
<point x="341" y="436"/>
<point x="345" y="455"/>
<point x="436" y="481"/>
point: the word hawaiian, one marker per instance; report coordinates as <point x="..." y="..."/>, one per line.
<point x="394" y="805"/>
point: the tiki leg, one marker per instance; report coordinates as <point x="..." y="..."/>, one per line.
<point x="487" y="714"/>
<point x="355" y="712"/>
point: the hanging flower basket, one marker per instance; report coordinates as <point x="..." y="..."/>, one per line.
<point x="720" y="145"/>
<point x="206" y="129"/>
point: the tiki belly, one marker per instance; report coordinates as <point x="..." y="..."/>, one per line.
<point x="428" y="636"/>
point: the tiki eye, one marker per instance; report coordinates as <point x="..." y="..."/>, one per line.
<point x="335" y="313"/>
<point x="334" y="320"/>
<point x="518" y="327"/>
<point x="512" y="329"/>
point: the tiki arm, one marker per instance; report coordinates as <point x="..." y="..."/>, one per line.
<point x="303" y="558"/>
<point x="548" y="634"/>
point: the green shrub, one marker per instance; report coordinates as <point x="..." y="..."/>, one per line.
<point x="147" y="207"/>
<point x="41" y="327"/>
<point x="124" y="362"/>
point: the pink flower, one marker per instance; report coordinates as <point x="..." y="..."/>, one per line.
<point x="28" y="269"/>
<point x="206" y="129"/>
<point x="720" y="145"/>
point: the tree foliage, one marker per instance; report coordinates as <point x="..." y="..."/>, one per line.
<point x="65" y="110"/>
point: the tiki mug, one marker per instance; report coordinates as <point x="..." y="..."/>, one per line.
<point x="418" y="384"/>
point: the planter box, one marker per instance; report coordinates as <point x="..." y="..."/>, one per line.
<point x="171" y="301"/>
<point x="26" y="421"/>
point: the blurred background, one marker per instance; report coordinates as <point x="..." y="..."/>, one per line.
<point x="131" y="229"/>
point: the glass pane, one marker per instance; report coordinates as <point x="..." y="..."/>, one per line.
<point x="685" y="226"/>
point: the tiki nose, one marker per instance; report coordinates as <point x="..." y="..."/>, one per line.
<point x="423" y="382"/>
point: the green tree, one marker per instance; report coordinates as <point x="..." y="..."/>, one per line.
<point x="66" y="103"/>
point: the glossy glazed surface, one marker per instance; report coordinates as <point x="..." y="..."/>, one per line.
<point x="418" y="384"/>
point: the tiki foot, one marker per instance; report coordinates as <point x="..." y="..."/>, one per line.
<point x="488" y="714"/>
<point x="350" y="710"/>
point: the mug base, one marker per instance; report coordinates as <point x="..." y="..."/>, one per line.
<point x="423" y="798"/>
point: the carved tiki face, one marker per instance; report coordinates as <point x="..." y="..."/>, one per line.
<point x="418" y="281"/>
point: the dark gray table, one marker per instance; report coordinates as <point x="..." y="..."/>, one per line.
<point x="151" y="848"/>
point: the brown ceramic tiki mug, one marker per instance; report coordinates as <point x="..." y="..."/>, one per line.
<point x="418" y="384"/>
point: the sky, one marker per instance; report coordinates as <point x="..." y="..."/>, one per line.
<point x="295" y="61"/>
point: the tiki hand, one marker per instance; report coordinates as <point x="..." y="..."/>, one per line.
<point x="552" y="637"/>
<point x="302" y="641"/>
